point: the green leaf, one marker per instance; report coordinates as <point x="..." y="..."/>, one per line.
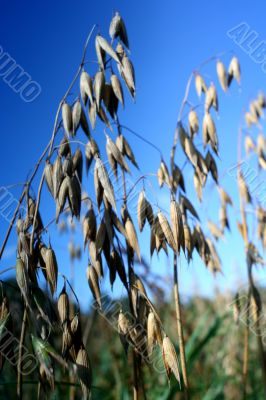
<point x="198" y="340"/>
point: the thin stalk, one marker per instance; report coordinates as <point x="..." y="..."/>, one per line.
<point x="135" y="377"/>
<point x="258" y="333"/>
<point x="134" y="355"/>
<point x="246" y="352"/>
<point x="141" y="138"/>
<point x="251" y="290"/>
<point x="246" y="333"/>
<point x="20" y="354"/>
<point x="180" y="330"/>
<point x="72" y="389"/>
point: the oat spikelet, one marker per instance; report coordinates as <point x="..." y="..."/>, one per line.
<point x="93" y="114"/>
<point x="178" y="179"/>
<point x="137" y="283"/>
<point x="63" y="306"/>
<point x="200" y="84"/>
<point x="123" y="329"/>
<point x="98" y="188"/>
<point x="74" y="194"/>
<point x="57" y="176"/>
<point x="141" y="210"/>
<point x="105" y="181"/>
<point x="223" y="218"/>
<point x="255" y="303"/>
<point x="177" y="225"/>
<point x="67" y="119"/>
<point x="261" y="144"/>
<point x="234" y="71"/>
<point x="153" y="333"/>
<point x="250" y="119"/>
<point x="215" y="230"/>
<point x="64" y="147"/>
<point x="48" y="174"/>
<point x="62" y="196"/>
<point x="209" y="132"/>
<point x="224" y="196"/>
<point x="94" y="284"/>
<point x="188" y="240"/>
<point x="190" y="151"/>
<point x="51" y="269"/>
<point x="211" y="166"/>
<point x="149" y="213"/>
<point x="84" y="123"/>
<point x="165" y="226"/>
<point x="187" y="205"/>
<point x="222" y="75"/>
<point x="76" y="115"/>
<point x="84" y="372"/>
<point x="125" y="149"/>
<point x="165" y="173"/>
<point x="86" y="87"/>
<point x="107" y="48"/>
<point x="193" y="122"/>
<point x="22" y="279"/>
<point x="117" y="88"/>
<point x="160" y="176"/>
<point x="128" y="74"/>
<point x="118" y="29"/>
<point x="197" y="185"/>
<point x="112" y="148"/>
<point x="170" y="359"/>
<point x="211" y="98"/>
<point x="100" y="236"/>
<point x="243" y="189"/>
<point x="78" y="163"/>
<point x="123" y="323"/>
<point x="132" y="237"/>
<point x="89" y="226"/>
<point x="98" y="88"/>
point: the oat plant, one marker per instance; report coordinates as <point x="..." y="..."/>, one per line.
<point x="89" y="114"/>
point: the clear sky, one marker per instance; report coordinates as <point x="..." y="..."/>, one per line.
<point x="167" y="41"/>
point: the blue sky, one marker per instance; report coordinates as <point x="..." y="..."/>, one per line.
<point x="167" y="40"/>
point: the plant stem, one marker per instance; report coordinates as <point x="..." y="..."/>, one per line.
<point x="245" y="237"/>
<point x="245" y="353"/>
<point x="251" y="291"/>
<point x="258" y="331"/>
<point x="180" y="330"/>
<point x="135" y="377"/>
<point x="134" y="355"/>
<point x="20" y="354"/>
